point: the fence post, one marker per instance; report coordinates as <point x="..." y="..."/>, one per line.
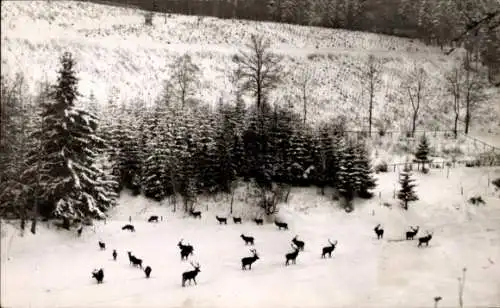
<point x="448" y="172"/>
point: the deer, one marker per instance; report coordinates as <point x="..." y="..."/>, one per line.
<point x="115" y="254"/>
<point x="411" y="234"/>
<point x="292" y="255"/>
<point x="298" y="243"/>
<point x="248" y="261"/>
<point x="186" y="250"/>
<point x="153" y="218"/>
<point x="379" y="231"/>
<point x="259" y="221"/>
<point x="129" y="227"/>
<point x="425" y="239"/>
<point x="221" y="220"/>
<point x="191" y="275"/>
<point x="147" y="271"/>
<point x="328" y="249"/>
<point x="195" y="214"/>
<point x="247" y="239"/>
<point x="98" y="275"/>
<point x="237" y="220"/>
<point x="102" y="245"/>
<point x="134" y="260"/>
<point x="79" y="232"/>
<point x="281" y="225"/>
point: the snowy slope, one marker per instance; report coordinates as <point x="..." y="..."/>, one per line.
<point x="115" y="50"/>
<point x="53" y="269"/>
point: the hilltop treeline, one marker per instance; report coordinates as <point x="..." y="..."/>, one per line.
<point x="446" y="23"/>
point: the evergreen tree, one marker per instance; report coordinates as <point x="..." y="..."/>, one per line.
<point x="363" y="173"/>
<point x="423" y="151"/>
<point x="346" y="177"/>
<point x="406" y="193"/>
<point x="322" y="158"/>
<point x="63" y="169"/>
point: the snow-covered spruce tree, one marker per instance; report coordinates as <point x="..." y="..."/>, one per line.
<point x="62" y="169"/>
<point x="226" y="138"/>
<point x="155" y="181"/>
<point x="280" y="131"/>
<point x="363" y="173"/>
<point x="422" y="154"/>
<point x="298" y="155"/>
<point x="322" y="158"/>
<point x="406" y="193"/>
<point x="346" y="174"/>
<point x="129" y="162"/>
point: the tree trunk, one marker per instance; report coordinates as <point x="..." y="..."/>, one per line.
<point x="232" y="201"/>
<point x="455" y="127"/>
<point x="305" y="104"/>
<point x="370" y="116"/>
<point x="467" y="117"/>
<point x="414" y="123"/>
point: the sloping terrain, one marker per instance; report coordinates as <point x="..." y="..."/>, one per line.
<point x="115" y="50"/>
<point x="52" y="269"/>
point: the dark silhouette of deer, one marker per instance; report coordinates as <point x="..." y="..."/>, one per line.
<point x="147" y="271"/>
<point x="248" y="261"/>
<point x="292" y="255"/>
<point x="186" y="250"/>
<point x="102" y="245"/>
<point x="221" y="220"/>
<point x="98" y="275"/>
<point x="115" y="254"/>
<point x="281" y="225"/>
<point x="259" y="221"/>
<point x="379" y="231"/>
<point x="195" y="214"/>
<point x="79" y="232"/>
<point x="247" y="239"/>
<point x="424" y="240"/>
<point x="411" y="234"/>
<point x="191" y="275"/>
<point x="237" y="220"/>
<point x="134" y="260"/>
<point x="328" y="249"/>
<point x="153" y="218"/>
<point x="298" y="243"/>
<point x="129" y="227"/>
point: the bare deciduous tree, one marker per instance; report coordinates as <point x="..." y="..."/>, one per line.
<point x="303" y="81"/>
<point x="473" y="88"/>
<point x="184" y="78"/>
<point x="454" y="87"/>
<point x="416" y="87"/>
<point x="370" y="74"/>
<point x="259" y="70"/>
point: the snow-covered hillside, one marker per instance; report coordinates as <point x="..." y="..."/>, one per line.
<point x="114" y="49"/>
<point x="52" y="269"/>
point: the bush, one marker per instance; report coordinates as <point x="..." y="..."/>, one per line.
<point x="425" y="170"/>
<point x="381" y="167"/>
<point x="496" y="182"/>
<point x="476" y="200"/>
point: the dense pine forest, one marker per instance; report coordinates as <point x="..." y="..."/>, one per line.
<point x="472" y="24"/>
<point x="69" y="158"/>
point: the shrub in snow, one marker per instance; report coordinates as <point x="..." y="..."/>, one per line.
<point x="381" y="167"/>
<point x="496" y="182"/>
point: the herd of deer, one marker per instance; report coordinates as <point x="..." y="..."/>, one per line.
<point x="410" y="235"/>
<point x="246" y="263"/>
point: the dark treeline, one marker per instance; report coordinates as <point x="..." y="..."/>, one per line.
<point x="446" y="23"/>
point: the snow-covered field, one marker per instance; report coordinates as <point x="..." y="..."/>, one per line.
<point x="52" y="269"/>
<point x="119" y="56"/>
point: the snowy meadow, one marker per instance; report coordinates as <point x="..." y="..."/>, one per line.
<point x="53" y="269"/>
<point x="205" y="162"/>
